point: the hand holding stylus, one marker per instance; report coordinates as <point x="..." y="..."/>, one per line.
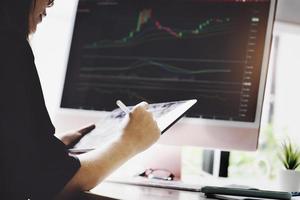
<point x="140" y="130"/>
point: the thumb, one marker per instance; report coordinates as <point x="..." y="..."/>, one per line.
<point x="83" y="131"/>
<point x="76" y="136"/>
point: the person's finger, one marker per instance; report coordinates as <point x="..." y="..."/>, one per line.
<point x="143" y="104"/>
<point x="87" y="129"/>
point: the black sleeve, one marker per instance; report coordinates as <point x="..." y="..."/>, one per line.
<point x="34" y="163"/>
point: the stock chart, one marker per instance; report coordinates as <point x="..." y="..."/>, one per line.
<point x="158" y="51"/>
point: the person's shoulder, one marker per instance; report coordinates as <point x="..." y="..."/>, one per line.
<point x="12" y="43"/>
<point x="16" y="60"/>
<point x="15" y="50"/>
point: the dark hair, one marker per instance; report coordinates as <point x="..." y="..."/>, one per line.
<point x="14" y="14"/>
<point x="50" y="3"/>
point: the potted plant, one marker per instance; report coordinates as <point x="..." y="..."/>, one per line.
<point x="289" y="177"/>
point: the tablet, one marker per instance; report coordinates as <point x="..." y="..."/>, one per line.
<point x="108" y="128"/>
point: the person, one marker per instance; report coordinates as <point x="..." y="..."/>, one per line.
<point x="35" y="164"/>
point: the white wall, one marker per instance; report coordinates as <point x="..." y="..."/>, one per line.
<point x="287" y="92"/>
<point x="288" y="11"/>
<point x="51" y="46"/>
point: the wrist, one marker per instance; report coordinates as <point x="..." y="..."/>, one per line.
<point x="128" y="144"/>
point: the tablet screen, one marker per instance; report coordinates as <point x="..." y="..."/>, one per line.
<point x="165" y="114"/>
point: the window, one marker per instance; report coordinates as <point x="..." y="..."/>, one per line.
<point x="281" y="107"/>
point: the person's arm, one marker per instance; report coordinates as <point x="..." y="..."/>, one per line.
<point x="139" y="133"/>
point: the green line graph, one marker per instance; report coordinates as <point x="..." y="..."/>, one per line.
<point x="149" y="63"/>
<point x="149" y="29"/>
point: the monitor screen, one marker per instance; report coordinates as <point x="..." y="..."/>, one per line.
<point x="214" y="51"/>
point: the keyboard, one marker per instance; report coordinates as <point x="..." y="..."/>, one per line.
<point x="175" y="185"/>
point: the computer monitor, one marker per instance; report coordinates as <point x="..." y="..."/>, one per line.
<point x="215" y="51"/>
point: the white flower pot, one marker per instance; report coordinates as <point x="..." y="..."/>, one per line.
<point x="289" y="180"/>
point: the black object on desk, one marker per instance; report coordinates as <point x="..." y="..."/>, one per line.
<point x="211" y="190"/>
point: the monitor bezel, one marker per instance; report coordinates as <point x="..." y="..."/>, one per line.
<point x="255" y="126"/>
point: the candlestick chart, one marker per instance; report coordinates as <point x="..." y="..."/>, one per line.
<point x="154" y="52"/>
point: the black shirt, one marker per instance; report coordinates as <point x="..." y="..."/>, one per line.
<point x="34" y="164"/>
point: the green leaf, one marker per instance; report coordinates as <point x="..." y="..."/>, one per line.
<point x="290" y="155"/>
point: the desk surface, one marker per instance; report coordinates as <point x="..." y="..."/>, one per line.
<point x="108" y="190"/>
<point x="111" y="191"/>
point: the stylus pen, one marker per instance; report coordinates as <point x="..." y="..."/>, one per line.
<point x="123" y="107"/>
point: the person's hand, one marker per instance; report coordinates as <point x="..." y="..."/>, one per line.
<point x="140" y="130"/>
<point x="73" y="137"/>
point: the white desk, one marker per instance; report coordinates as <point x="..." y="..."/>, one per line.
<point x="108" y="190"/>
